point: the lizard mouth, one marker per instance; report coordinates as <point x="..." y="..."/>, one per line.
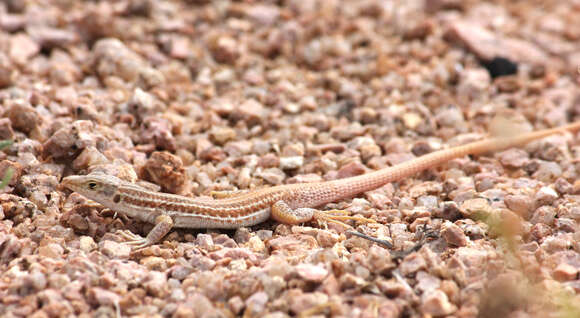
<point x="71" y="182"/>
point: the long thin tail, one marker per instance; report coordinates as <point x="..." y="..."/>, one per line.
<point x="355" y="185"/>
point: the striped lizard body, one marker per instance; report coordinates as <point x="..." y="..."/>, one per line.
<point x="290" y="204"/>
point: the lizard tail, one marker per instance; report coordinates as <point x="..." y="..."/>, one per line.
<point x="370" y="181"/>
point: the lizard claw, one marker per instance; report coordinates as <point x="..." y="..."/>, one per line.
<point x="133" y="240"/>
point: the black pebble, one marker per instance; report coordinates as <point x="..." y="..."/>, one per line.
<point x="500" y="66"/>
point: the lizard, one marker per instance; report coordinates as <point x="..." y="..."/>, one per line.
<point x="289" y="203"/>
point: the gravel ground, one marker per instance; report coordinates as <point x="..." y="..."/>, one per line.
<point x="195" y="96"/>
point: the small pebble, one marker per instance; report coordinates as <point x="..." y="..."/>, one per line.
<point x="289" y="163"/>
<point x="565" y="272"/>
<point x="51" y="250"/>
<point x="436" y="303"/>
<point x="114" y="250"/>
<point x="453" y="234"/>
<point x="87" y="243"/>
<point x="412" y="263"/>
<point x="545" y="196"/>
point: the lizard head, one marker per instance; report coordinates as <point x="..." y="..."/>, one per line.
<point x="97" y="187"/>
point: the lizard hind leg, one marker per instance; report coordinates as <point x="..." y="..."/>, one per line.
<point x="283" y="213"/>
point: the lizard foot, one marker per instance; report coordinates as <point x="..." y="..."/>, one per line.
<point x="133" y="240"/>
<point x="163" y="224"/>
<point x="338" y="216"/>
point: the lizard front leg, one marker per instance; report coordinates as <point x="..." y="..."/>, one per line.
<point x="283" y="213"/>
<point x="163" y="224"/>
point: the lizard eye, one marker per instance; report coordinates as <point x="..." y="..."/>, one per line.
<point x="92" y="185"/>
